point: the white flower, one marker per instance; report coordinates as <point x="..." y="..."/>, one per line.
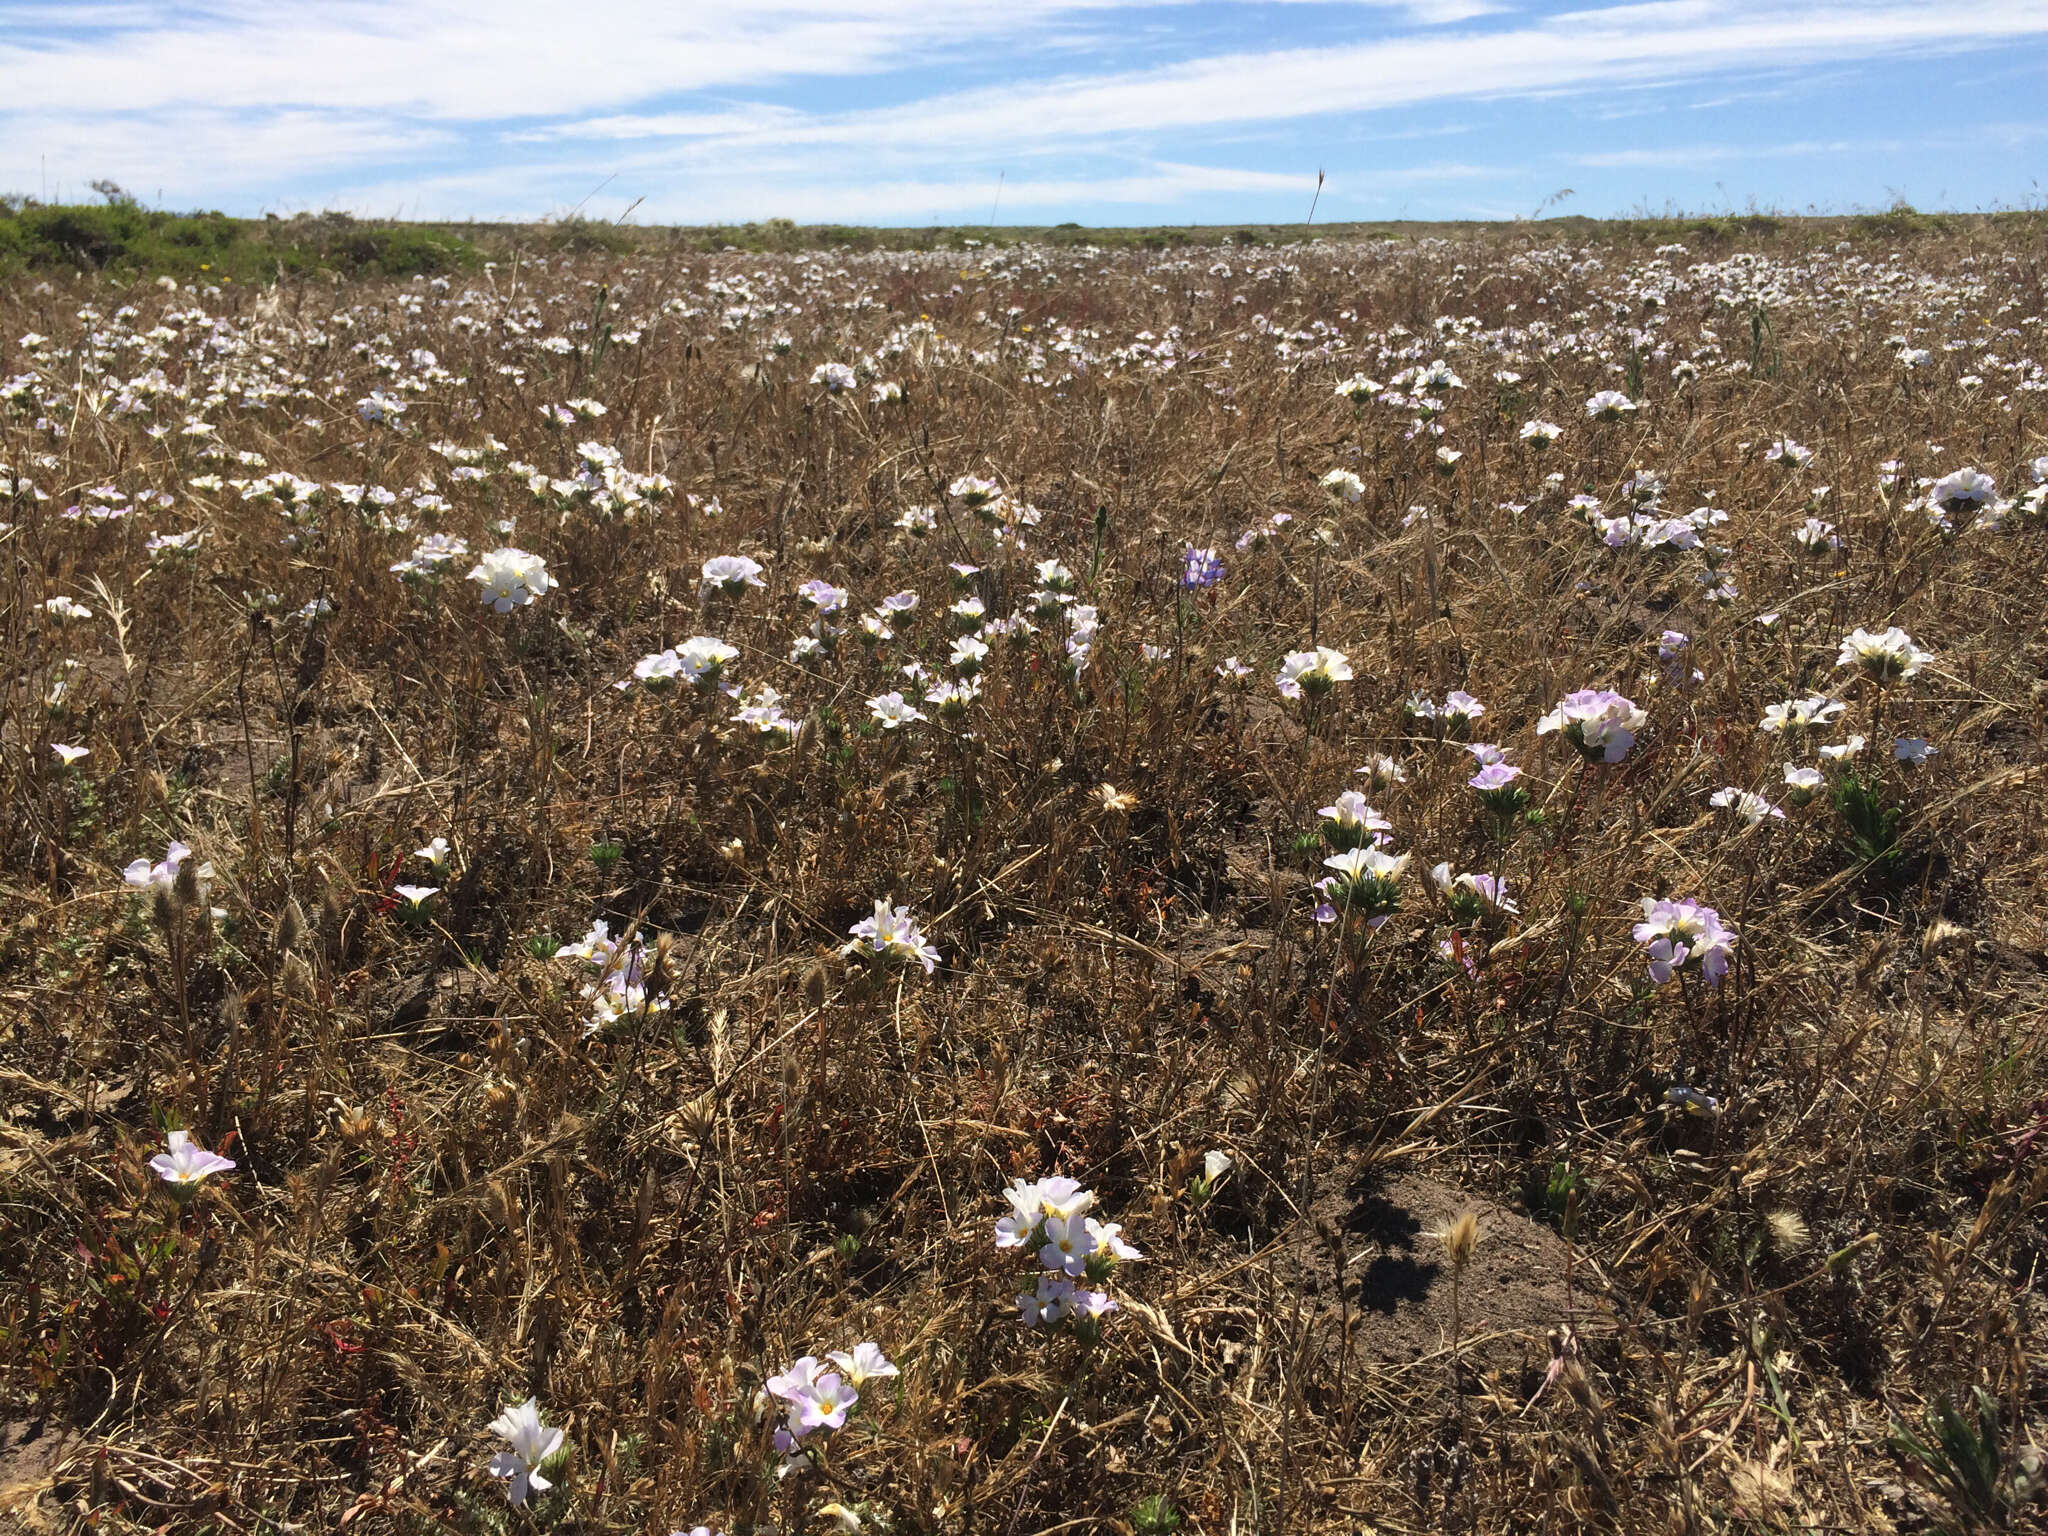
<point x="511" y="578"/>
<point x="1802" y="784"/>
<point x="1913" y="751"/>
<point x="1752" y="809"/>
<point x="1352" y="822"/>
<point x="1383" y="772"/>
<point x="969" y="652"/>
<point x="1609" y="405"/>
<point x="732" y="573"/>
<point x="1842" y="751"/>
<point x="703" y="657"/>
<point x="1814" y="535"/>
<point x="1312" y="672"/>
<point x="1215" y="1164"/>
<point x="1108" y="1237"/>
<point x="1343" y="486"/>
<point x="834" y="377"/>
<point x="416" y="897"/>
<point x="531" y="1443"/>
<point x="866" y="1363"/>
<point x="1962" y="490"/>
<point x="184" y="1161"/>
<point x="1797" y="714"/>
<point x="146" y="876"/>
<point x="63" y="608"/>
<point x="1540" y="434"/>
<point x="435" y="853"/>
<point x="1054" y="577"/>
<point x="68" y="754"/>
<point x="658" y="670"/>
<point x="891" y="710"/>
<point x="1037" y="1200"/>
<point x="974" y="492"/>
<point x="1889" y="656"/>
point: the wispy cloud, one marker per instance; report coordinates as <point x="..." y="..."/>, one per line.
<point x="1708" y="154"/>
<point x="911" y="108"/>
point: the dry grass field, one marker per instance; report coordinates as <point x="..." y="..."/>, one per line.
<point x="1461" y="831"/>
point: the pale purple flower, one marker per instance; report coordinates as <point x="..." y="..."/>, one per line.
<point x="823" y="596"/>
<point x="147" y="876"/>
<point x="1600" y="723"/>
<point x="893" y="935"/>
<point x="183" y="1161"/>
<point x="1494" y="776"/>
<point x="732" y="573"/>
<point x="824" y="1406"/>
<point x="1679" y="934"/>
<point x="1068" y="1244"/>
<point x="1473" y="895"/>
<point x="1050" y="1305"/>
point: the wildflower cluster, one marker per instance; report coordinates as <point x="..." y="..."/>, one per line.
<point x="1049" y="1218"/>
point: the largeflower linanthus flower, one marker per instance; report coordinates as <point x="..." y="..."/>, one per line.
<point x="183" y="1161"/>
<point x="1351" y="823"/>
<point x="529" y="1443"/>
<point x="732" y="574"/>
<point x="1890" y="656"/>
<point x="511" y="578"/>
<point x="1600" y="723"/>
<point x="1682" y="934"/>
<point x="1312" y="673"/>
<point x="892" y="935"/>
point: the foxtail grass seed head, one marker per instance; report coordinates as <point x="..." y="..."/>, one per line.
<point x="1460" y="1238"/>
<point x="291" y="923"/>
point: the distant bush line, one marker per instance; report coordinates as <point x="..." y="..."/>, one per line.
<point x="122" y="238"/>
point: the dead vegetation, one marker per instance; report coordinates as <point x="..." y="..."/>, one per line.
<point x="1812" y="1308"/>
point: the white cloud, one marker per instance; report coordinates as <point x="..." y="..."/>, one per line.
<point x="1601" y="49"/>
<point x="1708" y="154"/>
<point x="503" y="107"/>
<point x="485" y="60"/>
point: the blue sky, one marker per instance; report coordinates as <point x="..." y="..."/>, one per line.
<point x="929" y="111"/>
